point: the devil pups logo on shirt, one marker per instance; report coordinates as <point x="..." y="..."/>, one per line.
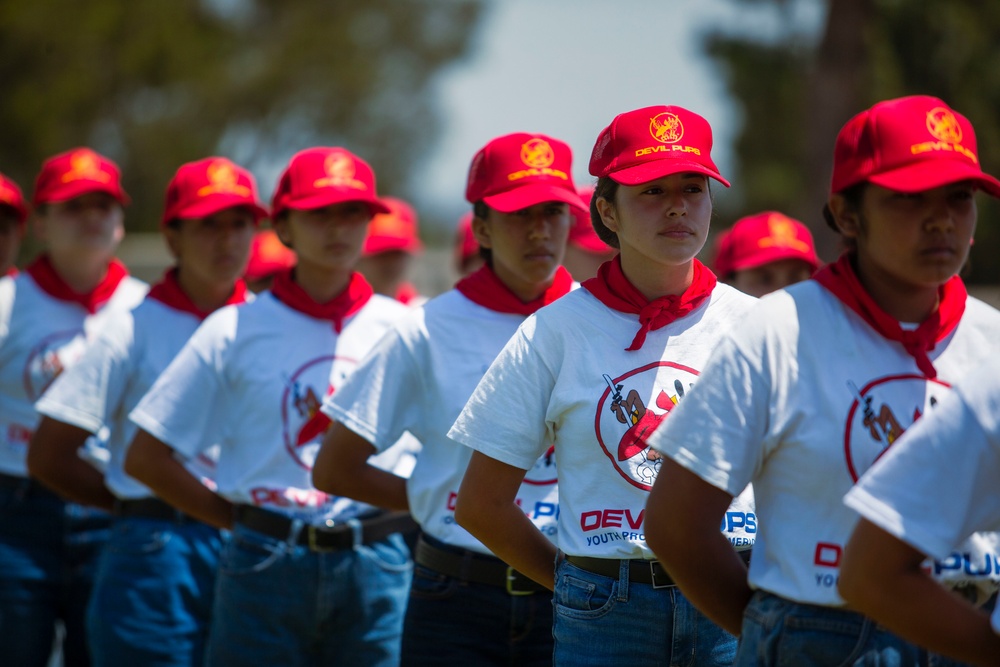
<point x="48" y="359"/>
<point x="631" y="408"/>
<point x="302" y="423"/>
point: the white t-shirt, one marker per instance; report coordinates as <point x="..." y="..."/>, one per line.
<point x="565" y="378"/>
<point x="417" y="380"/>
<point x="115" y="371"/>
<point x="800" y="400"/>
<point x="940" y="483"/>
<point x="40" y="336"/>
<point x="250" y="378"/>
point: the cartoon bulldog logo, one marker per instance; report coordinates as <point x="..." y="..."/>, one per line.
<point x="303" y="425"/>
<point x="632" y="406"/>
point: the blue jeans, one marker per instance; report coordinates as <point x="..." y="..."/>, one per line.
<point x="48" y="557"/>
<point x="777" y="631"/>
<point x="278" y="603"/>
<point x="152" y="600"/>
<point x="605" y="622"/>
<point x="450" y="622"/>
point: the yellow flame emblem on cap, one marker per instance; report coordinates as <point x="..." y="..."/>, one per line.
<point x="223" y="179"/>
<point x="943" y="125"/>
<point x="85" y="166"/>
<point x="781" y="234"/>
<point x="666" y="127"/>
<point x="340" y="172"/>
<point x="537" y="153"/>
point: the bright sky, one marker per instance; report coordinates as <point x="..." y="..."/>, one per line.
<point x="567" y="67"/>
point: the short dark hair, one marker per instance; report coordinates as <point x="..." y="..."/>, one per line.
<point x="608" y="189"/>
<point x="481" y="210"/>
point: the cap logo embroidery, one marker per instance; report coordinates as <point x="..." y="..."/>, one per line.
<point x="537" y="153"/>
<point x="6" y="194"/>
<point x="222" y="179"/>
<point x="340" y="172"/>
<point x="945" y="128"/>
<point x="84" y="166"/>
<point x="781" y="234"/>
<point x="666" y="128"/>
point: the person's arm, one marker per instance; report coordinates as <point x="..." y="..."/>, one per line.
<point x="342" y="469"/>
<point x="152" y="462"/>
<point x="485" y="507"/>
<point x="53" y="460"/>
<point x="683" y="514"/>
<point x="881" y="576"/>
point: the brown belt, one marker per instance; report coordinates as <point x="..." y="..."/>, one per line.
<point x="151" y="508"/>
<point x="471" y="567"/>
<point x="639" y="570"/>
<point x="339" y="537"/>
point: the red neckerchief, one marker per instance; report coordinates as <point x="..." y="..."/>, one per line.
<point x="45" y="276"/>
<point x="614" y="290"/>
<point x="842" y="281"/>
<point x="169" y="292"/>
<point x="485" y="288"/>
<point x="337" y="309"/>
<point x="12" y="272"/>
<point x="406" y="293"/>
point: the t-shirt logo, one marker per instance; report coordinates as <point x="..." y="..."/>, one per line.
<point x="632" y="406"/>
<point x="48" y="359"/>
<point x="943" y="125"/>
<point x="881" y="411"/>
<point x="543" y="473"/>
<point x="537" y="153"/>
<point x="666" y="128"/>
<point x="301" y="401"/>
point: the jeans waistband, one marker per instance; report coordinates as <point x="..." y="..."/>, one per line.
<point x="337" y="537"/>
<point x="151" y="508"/>
<point x="27" y="486"/>
<point x="472" y="567"/>
<point x="639" y="570"/>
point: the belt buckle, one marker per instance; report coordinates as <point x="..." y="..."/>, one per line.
<point x="659" y="576"/>
<point x="512" y="576"/>
<point x="313" y="531"/>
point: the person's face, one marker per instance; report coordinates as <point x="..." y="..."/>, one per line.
<point x="771" y="277"/>
<point x="911" y="240"/>
<point x="664" y="221"/>
<point x="330" y="237"/>
<point x="214" y="248"/>
<point x="89" y="225"/>
<point x="527" y="246"/>
<point x="11" y="234"/>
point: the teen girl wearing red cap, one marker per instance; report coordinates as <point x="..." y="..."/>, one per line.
<point x="821" y="378"/>
<point x="48" y="314"/>
<point x="765" y="252"/>
<point x="466" y="605"/>
<point x="13" y="220"/>
<point x="592" y="374"/>
<point x="925" y="497"/>
<point x="306" y="578"/>
<point x="152" y="597"/>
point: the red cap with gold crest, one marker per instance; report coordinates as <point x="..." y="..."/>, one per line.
<point x="75" y="173"/>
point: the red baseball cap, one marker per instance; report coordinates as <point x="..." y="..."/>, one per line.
<point x="395" y="230"/>
<point x="761" y="239"/>
<point x="205" y="187"/>
<point x="519" y="170"/>
<point x="268" y="255"/>
<point x="76" y="173"/>
<point x="643" y="145"/>
<point x="10" y="196"/>
<point x="318" y="177"/>
<point x="582" y="234"/>
<point x="908" y="144"/>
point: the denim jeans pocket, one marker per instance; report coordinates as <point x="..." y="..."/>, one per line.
<point x="579" y="594"/>
<point x="248" y="553"/>
<point x="132" y="538"/>
<point x="390" y="554"/>
<point x="826" y="640"/>
<point x="430" y="584"/>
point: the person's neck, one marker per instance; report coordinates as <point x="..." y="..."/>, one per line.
<point x="81" y="272"/>
<point x="206" y="295"/>
<point x="655" y="280"/>
<point x="322" y="284"/>
<point x="903" y="301"/>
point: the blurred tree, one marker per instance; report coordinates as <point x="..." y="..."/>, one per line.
<point x="154" y="84"/>
<point x="797" y="89"/>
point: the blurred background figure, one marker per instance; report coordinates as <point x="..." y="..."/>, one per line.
<point x="765" y="252"/>
<point x="585" y="251"/>
<point x="268" y="256"/>
<point x="390" y="247"/>
<point x="467" y="257"/>
<point x="13" y="222"/>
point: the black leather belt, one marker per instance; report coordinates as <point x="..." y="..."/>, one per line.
<point x="338" y="537"/>
<point x="471" y="567"/>
<point x="151" y="508"/>
<point x="26" y="486"/>
<point x="639" y="570"/>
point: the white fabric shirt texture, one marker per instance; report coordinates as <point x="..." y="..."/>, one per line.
<point x="800" y="400"/>
<point x="940" y="483"/>
<point x="417" y="380"/>
<point x="250" y="378"/>
<point x="40" y="336"/>
<point x="565" y="379"/>
<point x="113" y="374"/>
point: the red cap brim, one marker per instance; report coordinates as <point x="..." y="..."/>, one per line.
<point x="654" y="169"/>
<point x="531" y="195"/>
<point x="929" y="174"/>
<point x="78" y="188"/>
<point x="212" y="205"/>
<point x="330" y="196"/>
